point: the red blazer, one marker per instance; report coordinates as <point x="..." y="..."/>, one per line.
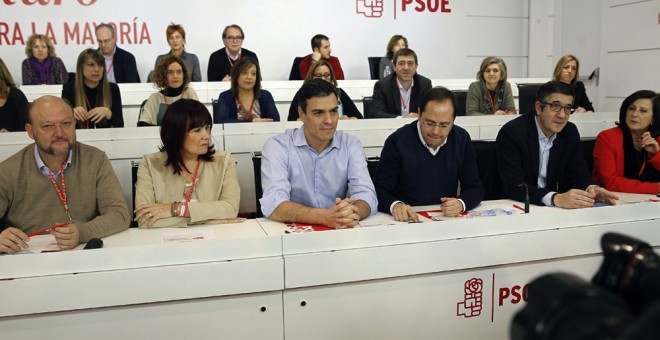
<point x="306" y="63"/>
<point x="609" y="164"/>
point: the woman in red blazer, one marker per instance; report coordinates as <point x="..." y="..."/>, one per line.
<point x="627" y="157"/>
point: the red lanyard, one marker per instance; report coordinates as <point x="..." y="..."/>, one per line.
<point x="61" y="193"/>
<point x="240" y="55"/>
<point x="493" y="101"/>
<point x="107" y="71"/>
<point x="188" y="196"/>
<point x="249" y="112"/>
<point x="403" y="102"/>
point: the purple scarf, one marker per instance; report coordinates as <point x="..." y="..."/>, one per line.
<point x="41" y="67"/>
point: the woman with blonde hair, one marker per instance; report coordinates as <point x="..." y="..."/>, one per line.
<point x="96" y="102"/>
<point x="568" y="71"/>
<point x="41" y="65"/>
<point x="386" y="67"/>
<point x="13" y="103"/>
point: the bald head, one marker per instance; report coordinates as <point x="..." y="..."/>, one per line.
<point x="45" y="105"/>
<point x="52" y="126"/>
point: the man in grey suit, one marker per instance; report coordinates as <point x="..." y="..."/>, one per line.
<point x="399" y="94"/>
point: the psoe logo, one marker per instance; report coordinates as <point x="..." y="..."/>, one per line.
<point x="472" y="299"/>
<point x="375" y="8"/>
<point x="369" y="8"/>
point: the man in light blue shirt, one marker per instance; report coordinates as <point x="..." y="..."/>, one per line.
<point x="315" y="174"/>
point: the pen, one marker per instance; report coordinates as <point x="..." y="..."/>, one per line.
<point x="518" y="207"/>
<point x="60" y="225"/>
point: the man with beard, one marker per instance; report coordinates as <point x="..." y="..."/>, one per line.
<point x="58" y="184"/>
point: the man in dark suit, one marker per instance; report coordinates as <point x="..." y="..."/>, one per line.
<point x="399" y="94"/>
<point x="541" y="150"/>
<point x="222" y="60"/>
<point x="120" y="65"/>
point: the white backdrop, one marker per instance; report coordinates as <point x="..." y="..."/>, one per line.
<point x="449" y="44"/>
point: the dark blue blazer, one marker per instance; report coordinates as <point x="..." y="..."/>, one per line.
<point x="227" y="112"/>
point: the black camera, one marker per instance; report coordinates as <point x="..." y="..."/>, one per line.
<point x="621" y="303"/>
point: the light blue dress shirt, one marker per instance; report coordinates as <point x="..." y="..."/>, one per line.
<point x="292" y="171"/>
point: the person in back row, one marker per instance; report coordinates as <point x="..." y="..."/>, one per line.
<point x="399" y="94"/>
<point x="222" y="61"/>
<point x="321" y="50"/>
<point x="307" y="172"/>
<point x="120" y="65"/>
<point x="176" y="38"/>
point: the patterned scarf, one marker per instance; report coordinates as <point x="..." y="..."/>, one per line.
<point x="41" y="67"/>
<point x="499" y="98"/>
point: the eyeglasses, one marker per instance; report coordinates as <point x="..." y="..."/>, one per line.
<point x="556" y="107"/>
<point x="404" y="64"/>
<point x="322" y="75"/>
<point x="105" y="42"/>
<point x="432" y="125"/>
<point x="234" y="38"/>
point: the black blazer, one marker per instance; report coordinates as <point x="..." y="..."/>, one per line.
<point x="387" y="101"/>
<point x="581" y="99"/>
<point x="125" y="67"/>
<point x="219" y="65"/>
<point x="518" y="159"/>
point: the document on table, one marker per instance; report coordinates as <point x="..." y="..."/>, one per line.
<point x="491" y="210"/>
<point x="40" y="244"/>
<point x="379" y="219"/>
<point x="188" y="235"/>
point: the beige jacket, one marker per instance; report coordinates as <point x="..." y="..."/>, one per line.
<point x="216" y="189"/>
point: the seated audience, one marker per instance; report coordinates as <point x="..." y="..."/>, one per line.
<point x="13" y="103"/>
<point x="120" y="65"/>
<point x="426" y="161"/>
<point x="96" y="102"/>
<point x="627" y="157"/>
<point x="246" y="101"/>
<point x="399" y="94"/>
<point x="188" y="181"/>
<point x="172" y="77"/>
<point x="386" y="65"/>
<point x="222" y="60"/>
<point x="307" y="172"/>
<point x="322" y="70"/>
<point x="176" y="38"/>
<point x="321" y="50"/>
<point x="491" y="93"/>
<point x="33" y="193"/>
<point x="568" y="71"/>
<point x="41" y="65"/>
<point x="540" y="152"/>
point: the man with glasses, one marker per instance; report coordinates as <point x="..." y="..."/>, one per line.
<point x="426" y="161"/>
<point x="222" y="60"/>
<point x="120" y="64"/>
<point x="57" y="185"/>
<point x="399" y="94"/>
<point x="321" y="50"/>
<point x="540" y="152"/>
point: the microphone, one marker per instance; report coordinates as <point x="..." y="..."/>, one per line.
<point x="523" y="184"/>
<point x="94" y="243"/>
